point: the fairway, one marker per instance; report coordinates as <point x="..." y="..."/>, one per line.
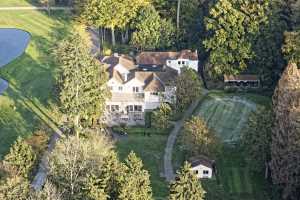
<point x="29" y="102"/>
<point x="226" y="115"/>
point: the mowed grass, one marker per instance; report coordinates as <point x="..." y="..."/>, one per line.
<point x="29" y="101"/>
<point x="8" y="3"/>
<point x="228" y="114"/>
<point x="151" y="150"/>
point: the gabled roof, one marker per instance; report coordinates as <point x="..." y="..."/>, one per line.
<point x="155" y="85"/>
<point x="126" y="61"/>
<point x="202" y="160"/>
<point x="160" y="58"/>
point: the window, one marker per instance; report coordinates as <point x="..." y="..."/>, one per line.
<point x="120" y="88"/>
<point x="179" y="62"/>
<point x="205" y="172"/>
<point x="138" y="108"/>
<point x="129" y="108"/>
<point x="135" y="89"/>
<point x="169" y="61"/>
<point x="114" y="108"/>
<point x="196" y="172"/>
<point x="154" y="93"/>
<point x="183" y="62"/>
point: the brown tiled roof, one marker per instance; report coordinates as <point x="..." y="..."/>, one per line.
<point x="155" y="85"/>
<point x="241" y="78"/>
<point x="125" y="61"/>
<point x="168" y="76"/>
<point x="202" y="160"/>
<point x="160" y="58"/>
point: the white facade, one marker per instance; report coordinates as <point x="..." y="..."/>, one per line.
<point x="202" y="171"/>
<point x="179" y="63"/>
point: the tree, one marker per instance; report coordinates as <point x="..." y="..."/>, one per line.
<point x="133" y="182"/>
<point x="49" y="192"/>
<point x="74" y="159"/>
<point x="151" y="31"/>
<point x="82" y="84"/>
<point x="232" y="25"/>
<point x="291" y="47"/>
<point x="186" y="185"/>
<point x="104" y="184"/>
<point x="111" y="14"/>
<point x="20" y="157"/>
<point x="15" y="187"/>
<point x="285" y="147"/>
<point x="199" y="139"/>
<point x="161" y="116"/>
<point x="188" y="87"/>
<point x="256" y="140"/>
<point x="48" y="4"/>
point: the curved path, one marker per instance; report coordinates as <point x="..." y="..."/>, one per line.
<point x="168" y="166"/>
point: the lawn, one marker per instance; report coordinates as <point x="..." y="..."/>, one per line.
<point x="29" y="101"/>
<point x="151" y="150"/>
<point x="227" y="114"/>
<point x="8" y="3"/>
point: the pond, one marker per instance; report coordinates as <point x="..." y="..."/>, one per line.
<point x="13" y="43"/>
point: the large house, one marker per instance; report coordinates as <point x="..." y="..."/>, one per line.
<point x="142" y="84"/>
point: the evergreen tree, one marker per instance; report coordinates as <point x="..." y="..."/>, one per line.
<point x="257" y="139"/>
<point x="188" y="87"/>
<point x="20" y="157"/>
<point x="83" y="89"/>
<point x="104" y="184"/>
<point x="15" y="187"/>
<point x="133" y="182"/>
<point x="232" y="25"/>
<point x="285" y="147"/>
<point x="186" y="185"/>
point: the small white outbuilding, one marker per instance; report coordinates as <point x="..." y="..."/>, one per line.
<point x="202" y="167"/>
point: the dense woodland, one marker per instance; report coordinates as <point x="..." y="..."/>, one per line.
<point x="231" y="36"/>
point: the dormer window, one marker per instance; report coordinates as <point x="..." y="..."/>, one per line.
<point x="124" y="76"/>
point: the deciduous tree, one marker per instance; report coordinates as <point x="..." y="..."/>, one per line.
<point x="232" y="24"/>
<point x="73" y="159"/>
<point x="188" y="87"/>
<point x="198" y="139"/>
<point x="160" y="117"/>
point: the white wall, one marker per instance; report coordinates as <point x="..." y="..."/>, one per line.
<point x="200" y="169"/>
<point x="183" y="62"/>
